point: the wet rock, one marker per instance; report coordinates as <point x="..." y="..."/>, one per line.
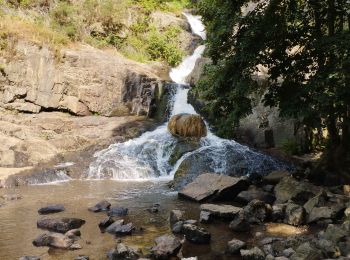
<point x="221" y="211"/>
<point x="256" y="212"/>
<point x="176" y="216"/>
<point x="295" y="214"/>
<point x="196" y="234"/>
<point x="327" y="247"/>
<point x="166" y="246"/>
<point x="103" y="205"/>
<point x="183" y="146"/>
<point x="213" y="187"/>
<point x="29" y="258"/>
<point x="119" y="228"/>
<point x="268" y="188"/>
<point x="335" y="233"/>
<point x="275" y="177"/>
<point x="106" y="223"/>
<point x="297" y="191"/>
<point x="82" y="257"/>
<point x="123" y="252"/>
<point x="73" y="234"/>
<point x="155" y="208"/>
<point x="177" y="227"/>
<point x="239" y="223"/>
<point x="234" y="246"/>
<point x="9" y="197"/>
<point x="60" y="225"/>
<point x="306" y="252"/>
<point x="254" y="193"/>
<point x="254" y="253"/>
<point x="56" y="240"/>
<point x="205" y="217"/>
<point x="278" y="212"/>
<point x="51" y="209"/>
<point x="187" y="125"/>
<point x="191" y="221"/>
<point x="117" y="211"/>
<point x="288" y="252"/>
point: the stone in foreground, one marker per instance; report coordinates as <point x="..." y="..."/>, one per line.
<point x="118" y="228"/>
<point x="56" y="240"/>
<point x="117" y="211"/>
<point x="60" y="225"/>
<point x="124" y="252"/>
<point x="254" y="253"/>
<point x="29" y="258"/>
<point x="213" y="187"/>
<point x="166" y="247"/>
<point x="51" y="209"/>
<point x="176" y="215"/>
<point x="103" y="205"/>
<point x="234" y="246"/>
<point x="196" y="234"/>
<point x="221" y="211"/>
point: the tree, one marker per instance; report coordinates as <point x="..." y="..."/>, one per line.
<point x="304" y="44"/>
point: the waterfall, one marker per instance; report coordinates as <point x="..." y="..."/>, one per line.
<point x="147" y="157"/>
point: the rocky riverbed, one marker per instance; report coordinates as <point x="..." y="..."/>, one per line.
<point x="222" y="217"/>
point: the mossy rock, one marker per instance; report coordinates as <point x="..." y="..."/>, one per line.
<point x="183" y="146"/>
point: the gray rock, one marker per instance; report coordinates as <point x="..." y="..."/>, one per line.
<point x="123" y="252"/>
<point x="254" y="253"/>
<point x="213" y="187"/>
<point x="221" y="211"/>
<point x="288" y="252"/>
<point x="327" y="247"/>
<point x="155" y="208"/>
<point x="295" y="214"/>
<point x="205" y="217"/>
<point x="82" y="257"/>
<point x="177" y="227"/>
<point x="166" y="246"/>
<point x="254" y="193"/>
<point x="176" y="216"/>
<point x="234" y="246"/>
<point x="335" y="233"/>
<point x="256" y="212"/>
<point x="56" y="240"/>
<point x="275" y="176"/>
<point x="51" y="209"/>
<point x="103" y="205"/>
<point x="281" y="258"/>
<point x="60" y="225"/>
<point x="191" y="221"/>
<point x="306" y="252"/>
<point x="196" y="234"/>
<point x="239" y="223"/>
<point x="29" y="258"/>
<point x="297" y="191"/>
<point x="106" y="223"/>
<point x="119" y="228"/>
<point x="278" y="212"/>
<point x="117" y="211"/>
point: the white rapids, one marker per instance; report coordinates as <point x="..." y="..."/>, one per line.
<point x="147" y="157"/>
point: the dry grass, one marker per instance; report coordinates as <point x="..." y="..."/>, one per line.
<point x="13" y="27"/>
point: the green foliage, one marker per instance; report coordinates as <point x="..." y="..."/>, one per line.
<point x="163" y="5"/>
<point x="291" y="147"/>
<point x="303" y="44"/>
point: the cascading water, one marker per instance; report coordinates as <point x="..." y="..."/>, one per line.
<point x="147" y="157"/>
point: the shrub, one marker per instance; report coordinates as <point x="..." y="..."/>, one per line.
<point x="291" y="147"/>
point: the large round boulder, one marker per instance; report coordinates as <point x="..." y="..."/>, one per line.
<point x="187" y="125"/>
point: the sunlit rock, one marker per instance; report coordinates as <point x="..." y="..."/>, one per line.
<point x="187" y="125"/>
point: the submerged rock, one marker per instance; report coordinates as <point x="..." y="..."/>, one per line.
<point x="196" y="234"/>
<point x="51" y="209"/>
<point x="187" y="125"/>
<point x="213" y="187"/>
<point x="103" y="205"/>
<point x="9" y="197"/>
<point x="166" y="247"/>
<point x="56" y="240"/>
<point x="118" y="211"/>
<point x="60" y="225"/>
<point x="123" y="252"/>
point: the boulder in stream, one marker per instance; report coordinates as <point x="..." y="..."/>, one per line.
<point x="196" y="235"/>
<point x="60" y="225"/>
<point x="213" y="187"/>
<point x="234" y="246"/>
<point x="254" y="253"/>
<point x="117" y="211"/>
<point x="57" y="240"/>
<point x="176" y="215"/>
<point x="119" y="228"/>
<point x="123" y="252"/>
<point x="105" y="223"/>
<point x="29" y="258"/>
<point x="187" y="125"/>
<point x="51" y="209"/>
<point x="103" y="205"/>
<point x="221" y="211"/>
<point x="166" y="247"/>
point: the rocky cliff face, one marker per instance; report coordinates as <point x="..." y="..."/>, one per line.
<point x="80" y="81"/>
